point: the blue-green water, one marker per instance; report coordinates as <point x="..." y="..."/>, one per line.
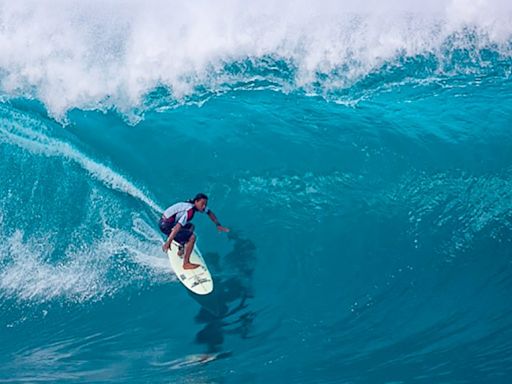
<point x="368" y="194"/>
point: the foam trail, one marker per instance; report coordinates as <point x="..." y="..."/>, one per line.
<point x="38" y="143"/>
<point x="28" y="277"/>
<point x="83" y="274"/>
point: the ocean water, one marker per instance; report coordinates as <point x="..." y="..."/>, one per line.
<point x="360" y="153"/>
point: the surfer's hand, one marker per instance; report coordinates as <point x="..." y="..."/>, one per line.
<point x="220" y="228"/>
<point x="166" y="246"/>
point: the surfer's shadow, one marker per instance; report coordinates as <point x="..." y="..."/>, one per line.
<point x="226" y="310"/>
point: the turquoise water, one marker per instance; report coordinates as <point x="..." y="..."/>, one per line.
<point x="363" y="165"/>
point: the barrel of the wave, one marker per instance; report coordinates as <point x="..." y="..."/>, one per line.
<point x="198" y="280"/>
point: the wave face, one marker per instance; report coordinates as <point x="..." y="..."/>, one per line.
<point x="360" y="154"/>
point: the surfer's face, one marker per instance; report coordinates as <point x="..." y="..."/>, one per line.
<point x="201" y="204"/>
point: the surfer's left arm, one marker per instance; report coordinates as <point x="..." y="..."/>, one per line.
<point x="212" y="216"/>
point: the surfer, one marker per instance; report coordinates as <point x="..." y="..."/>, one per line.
<point x="175" y="223"/>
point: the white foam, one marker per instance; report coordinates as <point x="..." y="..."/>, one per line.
<point x="27" y="275"/>
<point x="30" y="271"/>
<point x="109" y="55"/>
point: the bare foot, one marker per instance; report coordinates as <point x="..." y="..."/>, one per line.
<point x="181" y="250"/>
<point x="190" y="266"/>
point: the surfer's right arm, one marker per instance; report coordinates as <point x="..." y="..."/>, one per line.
<point x="172" y="235"/>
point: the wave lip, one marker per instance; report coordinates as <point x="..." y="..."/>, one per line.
<point x="72" y="55"/>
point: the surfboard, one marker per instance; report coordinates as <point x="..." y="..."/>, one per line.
<point x="198" y="280"/>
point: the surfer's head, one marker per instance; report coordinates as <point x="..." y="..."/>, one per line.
<point x="200" y="200"/>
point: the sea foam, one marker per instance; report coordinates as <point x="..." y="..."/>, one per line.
<point x="70" y="54"/>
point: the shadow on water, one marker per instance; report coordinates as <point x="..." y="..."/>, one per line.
<point x="226" y="310"/>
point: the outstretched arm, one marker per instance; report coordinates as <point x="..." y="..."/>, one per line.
<point x="220" y="228"/>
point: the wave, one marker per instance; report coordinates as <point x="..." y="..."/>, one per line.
<point x="63" y="237"/>
<point x="31" y="271"/>
<point x="88" y="56"/>
<point x="23" y="132"/>
<point x="445" y="210"/>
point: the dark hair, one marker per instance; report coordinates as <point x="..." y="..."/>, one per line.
<point x="199" y="196"/>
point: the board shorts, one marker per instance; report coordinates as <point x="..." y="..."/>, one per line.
<point x="184" y="234"/>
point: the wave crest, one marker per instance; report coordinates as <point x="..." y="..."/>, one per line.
<point x="89" y="56"/>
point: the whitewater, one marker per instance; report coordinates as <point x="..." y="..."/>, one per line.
<point x="360" y="153"/>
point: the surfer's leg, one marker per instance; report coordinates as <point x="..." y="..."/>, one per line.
<point x="183" y="236"/>
<point x="189" y="246"/>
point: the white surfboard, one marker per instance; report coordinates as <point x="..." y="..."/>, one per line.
<point x="198" y="280"/>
